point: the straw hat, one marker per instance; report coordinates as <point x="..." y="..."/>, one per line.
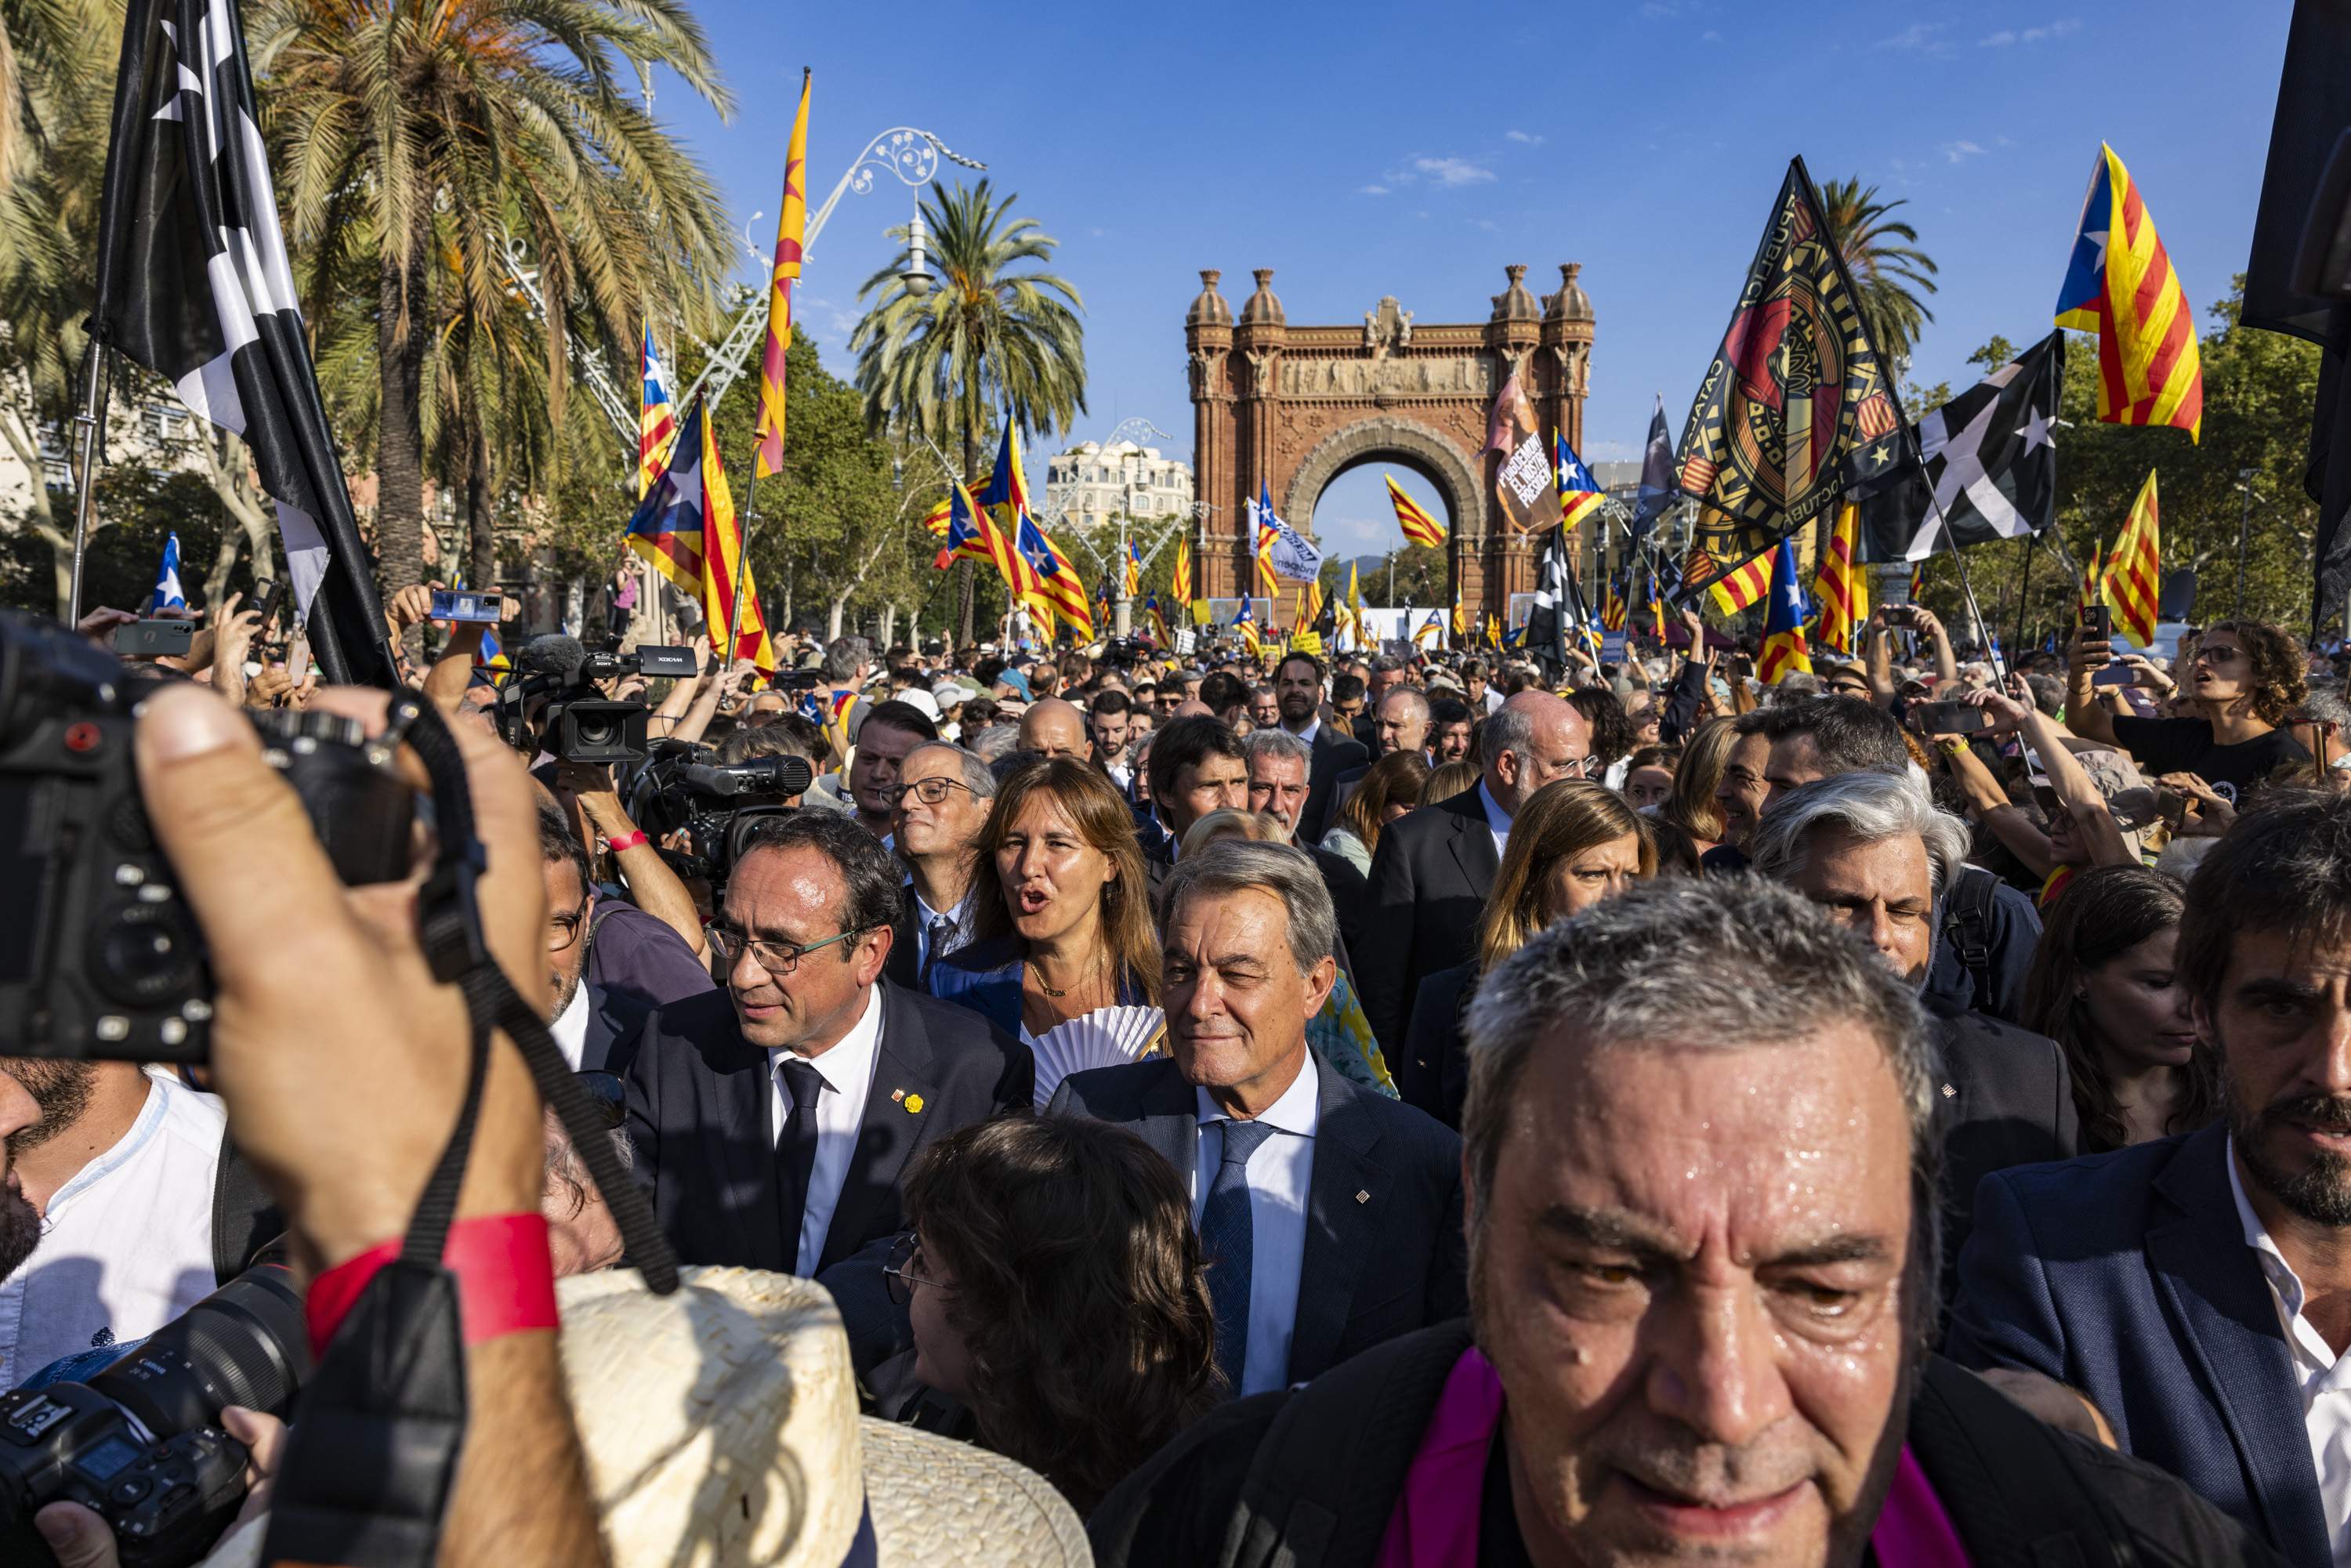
<point x="721" y="1429"/>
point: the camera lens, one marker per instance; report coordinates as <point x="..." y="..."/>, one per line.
<point x="243" y="1344"/>
<point x="598" y="732"/>
<point x="144" y="953"/>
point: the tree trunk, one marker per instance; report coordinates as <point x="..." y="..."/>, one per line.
<point x="832" y="617"/>
<point x="399" y="435"/>
<point x="481" y="541"/>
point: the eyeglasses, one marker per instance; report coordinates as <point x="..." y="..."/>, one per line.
<point x="1850" y="688"/>
<point x="564" y="929"/>
<point x="929" y="791"/>
<point x="605" y="1088"/>
<point x="777" y="959"/>
<point x="2220" y="655"/>
<point x="899" y="1274"/>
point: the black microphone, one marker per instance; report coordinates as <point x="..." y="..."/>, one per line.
<point x="553" y="654"/>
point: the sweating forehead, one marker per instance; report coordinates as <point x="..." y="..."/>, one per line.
<point x="1758" y="1147"/>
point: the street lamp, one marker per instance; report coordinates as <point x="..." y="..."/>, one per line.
<point x="916" y="277"/>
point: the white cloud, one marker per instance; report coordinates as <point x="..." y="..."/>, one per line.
<point x="1661" y="7"/>
<point x="1709" y="37"/>
<point x="1916" y="36"/>
<point x="1530" y="141"/>
<point x="1373" y="189"/>
<point x="1960" y="151"/>
<point x="1452" y="173"/>
<point x="2063" y="27"/>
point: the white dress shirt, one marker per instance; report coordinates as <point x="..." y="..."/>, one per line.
<point x="1313" y="727"/>
<point x="1498" y="819"/>
<point x="924" y="917"/>
<point x="571" y="1027"/>
<point x="1280" y="1174"/>
<point x="2324" y="1378"/>
<point x="126" y="1245"/>
<point x="848" y="1074"/>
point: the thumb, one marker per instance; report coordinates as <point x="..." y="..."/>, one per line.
<point x="78" y="1537"/>
<point x="235" y="831"/>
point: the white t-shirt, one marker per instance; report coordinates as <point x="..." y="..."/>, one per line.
<point x="126" y="1245"/>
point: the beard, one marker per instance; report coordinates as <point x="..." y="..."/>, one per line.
<point x="2319" y="1190"/>
<point x="61" y="1090"/>
<point x="566" y="988"/>
<point x="20" y="1230"/>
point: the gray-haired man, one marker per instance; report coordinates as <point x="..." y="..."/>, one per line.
<point x="1702" y="1158"/>
<point x="944" y="793"/>
<point x="1331" y="1216"/>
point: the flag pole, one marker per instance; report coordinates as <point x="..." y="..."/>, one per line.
<point x="2024" y="586"/>
<point x="92" y="415"/>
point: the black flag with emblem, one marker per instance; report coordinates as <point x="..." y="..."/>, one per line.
<point x="1547" y="620"/>
<point x="1797" y="407"/>
<point x="194" y="283"/>
<point x="1985" y="467"/>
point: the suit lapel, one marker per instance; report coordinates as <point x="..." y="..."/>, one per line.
<point x="1167" y="1117"/>
<point x="1473" y="842"/>
<point x="887" y="1133"/>
<point x="1342" y="1228"/>
<point x="2211" y="1282"/>
<point x="744" y="1131"/>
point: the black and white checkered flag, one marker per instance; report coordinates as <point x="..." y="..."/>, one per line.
<point x="194" y="283"/>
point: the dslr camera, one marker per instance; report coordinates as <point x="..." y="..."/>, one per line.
<point x="141" y="1443"/>
<point x="718" y="805"/>
<point x="100" y="957"/>
<point x="576" y="722"/>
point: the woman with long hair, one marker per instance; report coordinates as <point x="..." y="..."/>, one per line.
<point x="1056" y="1290"/>
<point x="2233" y="695"/>
<point x="1691" y="806"/>
<point x="1387" y="791"/>
<point x="2102" y="987"/>
<point x="1062" y="925"/>
<point x="1575" y="843"/>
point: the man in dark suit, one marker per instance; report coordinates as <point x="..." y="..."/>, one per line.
<point x="1278" y="769"/>
<point x="1197" y="767"/>
<point x="1876" y="853"/>
<point x="1331" y="1216"/>
<point x="1298" y="691"/>
<point x="2191" y="1287"/>
<point x="1433" y="869"/>
<point x="944" y="793"/>
<point x="774" y="1121"/>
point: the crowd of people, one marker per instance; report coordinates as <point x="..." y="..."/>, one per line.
<point x="1415" y="1108"/>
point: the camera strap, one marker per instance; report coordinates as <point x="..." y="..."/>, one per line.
<point x="384" y="1416"/>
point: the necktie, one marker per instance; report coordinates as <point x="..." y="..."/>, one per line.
<point x="1227" y="1236"/>
<point x="943" y="930"/>
<point x="796" y="1152"/>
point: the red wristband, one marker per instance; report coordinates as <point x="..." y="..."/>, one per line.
<point x="621" y="845"/>
<point x="506" y="1279"/>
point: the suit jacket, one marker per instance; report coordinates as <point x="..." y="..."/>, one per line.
<point x="1384" y="1253"/>
<point x="904" y="967"/>
<point x="1350" y="899"/>
<point x="1430" y="876"/>
<point x="1334" y="754"/>
<point x="1434" y="1044"/>
<point x="613" y="1020"/>
<point x="2126" y="1275"/>
<point x="2006" y="1099"/>
<point x="700" y="1112"/>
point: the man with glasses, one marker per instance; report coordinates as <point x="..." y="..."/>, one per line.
<point x="1434" y="868"/>
<point x="588" y="1021"/>
<point x="1848" y="680"/>
<point x="775" y="1122"/>
<point x="944" y="794"/>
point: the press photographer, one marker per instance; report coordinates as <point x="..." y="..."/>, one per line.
<point x="556" y="702"/>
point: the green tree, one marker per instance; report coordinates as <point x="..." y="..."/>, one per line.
<point x="938" y="362"/>
<point x="414" y="140"/>
<point x="1888" y="269"/>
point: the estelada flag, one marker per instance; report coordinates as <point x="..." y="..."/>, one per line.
<point x="1523" y="482"/>
<point x="2120" y="285"/>
<point x="656" y="420"/>
<point x="1784" y="651"/>
<point x="2134" y="574"/>
<point x="686" y="527"/>
<point x="1797" y="407"/>
<point x="1579" y="492"/>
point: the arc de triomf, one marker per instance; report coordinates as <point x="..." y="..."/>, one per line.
<point x="1295" y="407"/>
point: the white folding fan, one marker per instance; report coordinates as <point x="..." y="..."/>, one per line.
<point x="1106" y="1037"/>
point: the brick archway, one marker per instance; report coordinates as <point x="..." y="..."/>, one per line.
<point x="1385" y="438"/>
<point x="1290" y="408"/>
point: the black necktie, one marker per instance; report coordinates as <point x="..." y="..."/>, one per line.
<point x="942" y="932"/>
<point x="796" y="1153"/>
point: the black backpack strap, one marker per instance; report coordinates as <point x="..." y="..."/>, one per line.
<point x="245" y="1219"/>
<point x="1326" y="1477"/>
<point x="1967" y="926"/>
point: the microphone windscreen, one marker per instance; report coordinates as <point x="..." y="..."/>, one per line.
<point x="553" y="654"/>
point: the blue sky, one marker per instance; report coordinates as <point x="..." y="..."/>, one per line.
<point x="1362" y="149"/>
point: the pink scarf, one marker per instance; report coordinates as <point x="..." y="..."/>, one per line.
<point x="1436" y="1520"/>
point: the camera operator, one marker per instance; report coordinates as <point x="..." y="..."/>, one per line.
<point x="592" y="805"/>
<point x="346" y="1166"/>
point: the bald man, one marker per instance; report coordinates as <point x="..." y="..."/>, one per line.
<point x="1433" y="869"/>
<point x="1054" y="728"/>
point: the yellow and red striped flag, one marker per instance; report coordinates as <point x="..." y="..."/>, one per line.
<point x="1418" y="527"/>
<point x="1784" y="651"/>
<point x="722" y="549"/>
<point x="2133" y="573"/>
<point x="656" y="420"/>
<point x="935" y="520"/>
<point x="1737" y="590"/>
<point x="2088" y="598"/>
<point x="2120" y="285"/>
<point x="790" y="225"/>
<point x="1842" y="586"/>
<point x="1180" y="588"/>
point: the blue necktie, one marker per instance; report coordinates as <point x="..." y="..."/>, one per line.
<point x="1227" y="1237"/>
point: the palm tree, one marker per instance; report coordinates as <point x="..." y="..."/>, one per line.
<point x="936" y="363"/>
<point x="1889" y="275"/>
<point x="416" y="139"/>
